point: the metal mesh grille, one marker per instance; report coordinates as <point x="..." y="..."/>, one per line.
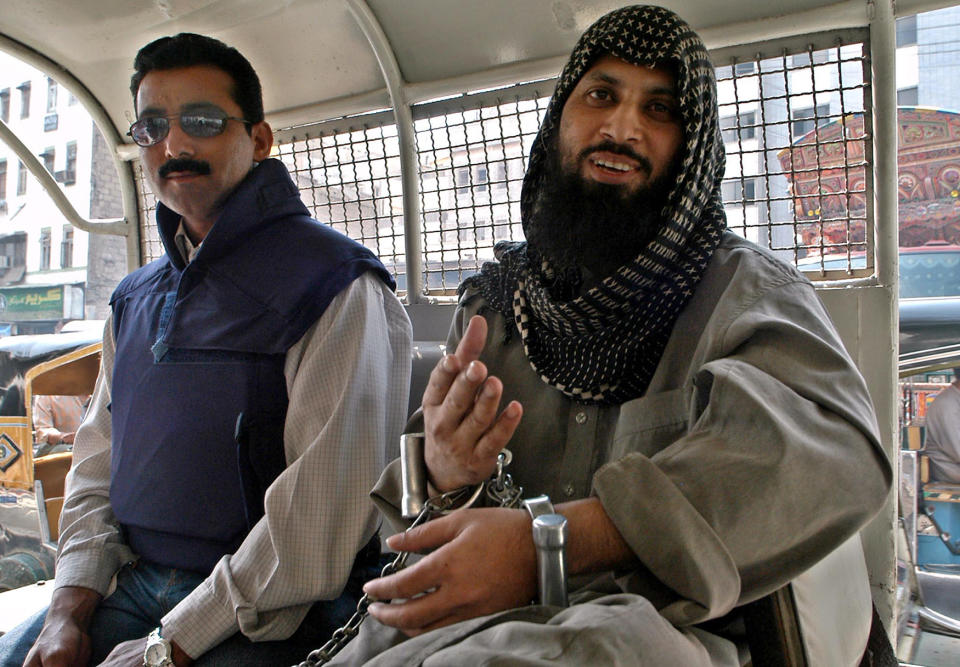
<point x="798" y="145"/>
<point x="150" y="246"/>
<point x="472" y="160"/>
<point x="351" y="180"/>
<point x="795" y="120"/>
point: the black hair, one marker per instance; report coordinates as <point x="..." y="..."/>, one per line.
<point x="189" y="49"/>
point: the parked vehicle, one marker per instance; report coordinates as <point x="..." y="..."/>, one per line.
<point x="31" y="489"/>
<point x="929" y="291"/>
<point x="928" y="553"/>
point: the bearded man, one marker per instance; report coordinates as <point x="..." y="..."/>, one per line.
<point x="679" y="392"/>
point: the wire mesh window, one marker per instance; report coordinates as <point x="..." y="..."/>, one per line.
<point x="798" y="145"/>
<point x="350" y="179"/>
<point x="150" y="246"/>
<point x="472" y="155"/>
<point x="794" y="119"/>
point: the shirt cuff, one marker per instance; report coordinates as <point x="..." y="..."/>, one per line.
<point x="200" y="622"/>
<point x="79" y="569"/>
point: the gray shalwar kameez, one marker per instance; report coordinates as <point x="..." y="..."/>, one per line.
<point x="700" y="392"/>
<point x="753" y="454"/>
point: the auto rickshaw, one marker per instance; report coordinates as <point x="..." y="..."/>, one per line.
<point x="31" y="489"/>
<point x="928" y="568"/>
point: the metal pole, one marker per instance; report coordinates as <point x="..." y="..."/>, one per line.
<point x="408" y="148"/>
<point x="117" y="226"/>
<point x="128" y="191"/>
<point x="880" y="536"/>
<point x="884" y="85"/>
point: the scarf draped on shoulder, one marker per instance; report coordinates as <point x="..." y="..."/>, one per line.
<point x="605" y="345"/>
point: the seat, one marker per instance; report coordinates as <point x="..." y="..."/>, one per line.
<point x="821" y="618"/>
<point x="50" y="474"/>
<point x="426" y="354"/>
<point x="51" y="470"/>
<point x="54" y="508"/>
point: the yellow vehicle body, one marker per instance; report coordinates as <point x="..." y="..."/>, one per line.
<point x="31" y="489"/>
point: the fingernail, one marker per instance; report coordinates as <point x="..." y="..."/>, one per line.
<point x="512" y="410"/>
<point x="447" y="362"/>
<point x="473" y="371"/>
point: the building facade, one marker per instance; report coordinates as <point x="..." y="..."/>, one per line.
<point x="45" y="262"/>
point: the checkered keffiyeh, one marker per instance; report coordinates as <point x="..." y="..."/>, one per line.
<point x="604" y="346"/>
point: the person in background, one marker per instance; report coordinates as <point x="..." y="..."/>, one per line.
<point x="942" y="433"/>
<point x="56" y="419"/>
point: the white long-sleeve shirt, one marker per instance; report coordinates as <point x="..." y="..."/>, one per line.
<point x="347" y="382"/>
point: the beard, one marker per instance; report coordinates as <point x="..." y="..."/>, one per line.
<point x="578" y="224"/>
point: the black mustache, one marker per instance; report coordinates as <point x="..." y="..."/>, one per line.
<point x="184" y="164"/>
<point x="618" y="149"/>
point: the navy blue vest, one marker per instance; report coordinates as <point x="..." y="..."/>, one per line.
<point x="199" y="395"/>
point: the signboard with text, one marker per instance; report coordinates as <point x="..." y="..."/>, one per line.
<point x="20" y="304"/>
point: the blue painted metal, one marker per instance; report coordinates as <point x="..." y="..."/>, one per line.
<point x="931" y="549"/>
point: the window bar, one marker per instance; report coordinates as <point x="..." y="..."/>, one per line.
<point x="740" y="151"/>
<point x="792" y="147"/>
<point x="845" y="139"/>
<point x="409" y="170"/>
<point x="488" y="167"/>
<point x="307" y="139"/>
<point x="882" y="65"/>
<point x="823" y="221"/>
<point x="762" y="151"/>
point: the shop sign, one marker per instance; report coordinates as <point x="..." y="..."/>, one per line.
<point x="31" y="303"/>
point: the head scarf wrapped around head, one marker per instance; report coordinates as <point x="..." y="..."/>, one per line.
<point x="604" y="345"/>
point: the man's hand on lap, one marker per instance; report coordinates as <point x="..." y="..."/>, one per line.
<point x="63" y="641"/>
<point x="481" y="561"/>
<point x="61" y="644"/>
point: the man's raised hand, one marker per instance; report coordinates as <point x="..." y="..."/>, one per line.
<point x="464" y="434"/>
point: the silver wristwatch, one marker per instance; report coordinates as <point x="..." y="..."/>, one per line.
<point x="159" y="652"/>
<point x="550" y="537"/>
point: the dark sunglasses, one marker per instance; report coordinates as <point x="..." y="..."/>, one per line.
<point x="203" y="123"/>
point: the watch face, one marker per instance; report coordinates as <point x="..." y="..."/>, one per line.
<point x="155" y="654"/>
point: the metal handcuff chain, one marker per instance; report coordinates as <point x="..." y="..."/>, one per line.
<point x="500" y="488"/>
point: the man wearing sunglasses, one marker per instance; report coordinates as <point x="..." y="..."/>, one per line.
<point x="252" y="378"/>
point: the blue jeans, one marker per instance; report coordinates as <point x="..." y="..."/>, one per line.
<point x="146" y="592"/>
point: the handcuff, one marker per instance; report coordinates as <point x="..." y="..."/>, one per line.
<point x="550" y="538"/>
<point x="549" y="532"/>
<point x="549" y="528"/>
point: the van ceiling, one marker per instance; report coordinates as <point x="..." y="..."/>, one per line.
<point x="313" y="51"/>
